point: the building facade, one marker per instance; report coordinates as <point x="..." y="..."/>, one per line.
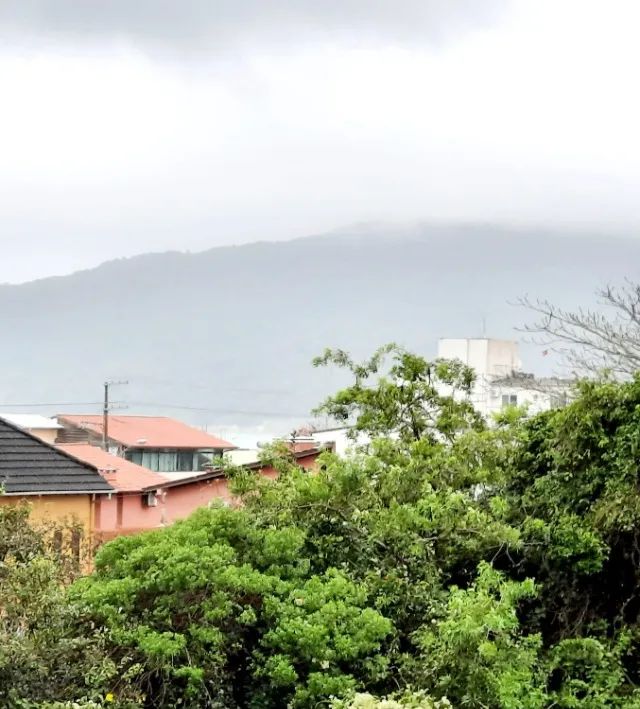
<point x="45" y="428"/>
<point x="500" y="381"/>
<point x="158" y="443"/>
<point x="61" y="490"/>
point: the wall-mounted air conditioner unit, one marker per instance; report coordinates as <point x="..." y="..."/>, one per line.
<point x="150" y="499"/>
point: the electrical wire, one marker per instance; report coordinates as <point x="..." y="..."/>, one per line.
<point x="162" y="405"/>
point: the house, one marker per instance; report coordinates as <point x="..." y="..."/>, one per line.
<point x="500" y="381"/>
<point x="536" y="393"/>
<point x="41" y="426"/>
<point x="133" y="506"/>
<point x="341" y="439"/>
<point x="143" y="500"/>
<point x="60" y="488"/>
<point x="157" y="443"/>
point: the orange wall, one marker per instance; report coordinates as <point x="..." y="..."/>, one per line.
<point x="62" y="509"/>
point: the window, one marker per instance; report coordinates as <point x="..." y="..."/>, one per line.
<point x="509" y="400"/>
<point x="202" y="459"/>
<point x="184" y="461"/>
<point x="76" y="539"/>
<point x="559" y="400"/>
<point x="165" y="460"/>
<point x="134" y="456"/>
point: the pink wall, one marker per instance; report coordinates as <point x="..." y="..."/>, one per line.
<point x="125" y="513"/>
<point x="183" y="500"/>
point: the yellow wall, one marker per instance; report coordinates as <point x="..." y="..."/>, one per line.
<point x="48" y="435"/>
<point x="63" y="509"/>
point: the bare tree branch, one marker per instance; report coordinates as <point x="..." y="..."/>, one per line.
<point x="591" y="341"/>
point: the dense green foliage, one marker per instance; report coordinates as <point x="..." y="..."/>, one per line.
<point x="447" y="562"/>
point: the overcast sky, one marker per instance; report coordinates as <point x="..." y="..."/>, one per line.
<point x="132" y="126"/>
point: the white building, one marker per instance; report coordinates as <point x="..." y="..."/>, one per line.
<point x="43" y="427"/>
<point x="338" y="437"/>
<point x="500" y="381"/>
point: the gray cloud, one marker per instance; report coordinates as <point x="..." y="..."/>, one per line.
<point x="212" y="24"/>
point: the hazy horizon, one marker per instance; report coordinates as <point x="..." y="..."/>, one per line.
<point x="399" y="229"/>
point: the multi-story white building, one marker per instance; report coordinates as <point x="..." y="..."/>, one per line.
<point x="500" y="381"/>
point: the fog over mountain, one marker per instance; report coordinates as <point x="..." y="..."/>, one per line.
<point x="227" y="335"/>
<point x="147" y="126"/>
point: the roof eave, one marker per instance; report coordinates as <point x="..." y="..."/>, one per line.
<point x="26" y="493"/>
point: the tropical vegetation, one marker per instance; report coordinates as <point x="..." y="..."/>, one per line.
<point x="447" y="561"/>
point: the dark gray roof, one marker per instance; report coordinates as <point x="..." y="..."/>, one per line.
<point x="30" y="466"/>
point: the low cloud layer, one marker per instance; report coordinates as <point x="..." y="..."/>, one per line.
<point x="130" y="126"/>
<point x="198" y="24"/>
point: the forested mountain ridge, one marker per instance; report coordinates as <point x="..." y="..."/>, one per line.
<point x="232" y="330"/>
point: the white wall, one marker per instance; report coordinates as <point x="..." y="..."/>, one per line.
<point x="491" y="360"/>
<point x="486" y="356"/>
<point x="339" y="437"/>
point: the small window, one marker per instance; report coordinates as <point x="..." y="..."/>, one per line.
<point x="76" y="539"/>
<point x="509" y="400"/>
<point x="57" y="541"/>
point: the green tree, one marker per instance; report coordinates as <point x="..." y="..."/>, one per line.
<point x="411" y="397"/>
<point x="221" y="611"/>
<point x="444" y="563"/>
<point x="47" y="653"/>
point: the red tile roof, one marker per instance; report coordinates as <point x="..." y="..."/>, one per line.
<point x="303" y="446"/>
<point x="121" y="474"/>
<point x="147" y="431"/>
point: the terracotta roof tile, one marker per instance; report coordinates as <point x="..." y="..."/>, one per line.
<point x="147" y="431"/>
<point x="121" y="474"/>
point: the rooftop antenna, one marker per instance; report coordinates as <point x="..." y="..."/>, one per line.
<point x="484" y="327"/>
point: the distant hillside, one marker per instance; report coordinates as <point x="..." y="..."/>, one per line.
<point x="233" y="330"/>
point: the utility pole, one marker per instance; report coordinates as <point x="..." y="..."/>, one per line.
<point x="105" y="413"/>
<point x="105" y="418"/>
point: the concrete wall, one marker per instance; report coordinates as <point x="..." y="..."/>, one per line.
<point x="338" y="436"/>
<point x="486" y="356"/>
<point x="48" y="435"/>
<point x="490" y="359"/>
<point x="503" y="357"/>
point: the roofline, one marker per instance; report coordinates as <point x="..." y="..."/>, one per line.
<point x="198" y="477"/>
<point x="59" y="492"/>
<point x="219" y="471"/>
<point x="142" y="447"/>
<point x="91" y="428"/>
<point x="331" y="429"/>
<point x="52" y="447"/>
<point x="52" y="427"/>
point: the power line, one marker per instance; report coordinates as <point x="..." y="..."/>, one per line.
<point x="208" y="386"/>
<point x="162" y="405"/>
<point x="239" y="412"/>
